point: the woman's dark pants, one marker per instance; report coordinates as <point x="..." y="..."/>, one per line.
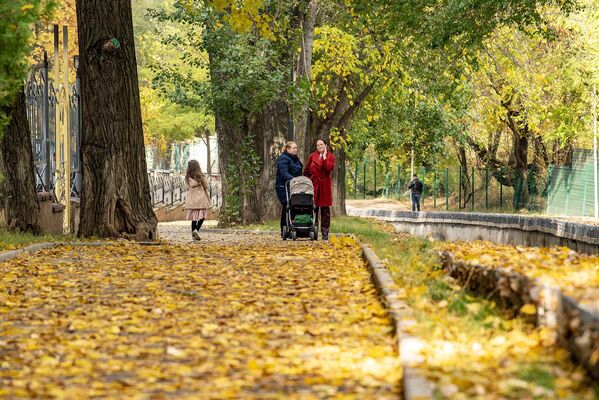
<point x="325" y="220"/>
<point x="283" y="216"/>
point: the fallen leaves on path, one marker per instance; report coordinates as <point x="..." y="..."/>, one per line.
<point x="278" y="320"/>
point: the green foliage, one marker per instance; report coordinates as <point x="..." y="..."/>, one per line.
<point x="241" y="175"/>
<point x="16" y="32"/>
<point x="462" y="24"/>
<point x="246" y="71"/>
<point x="168" y="117"/>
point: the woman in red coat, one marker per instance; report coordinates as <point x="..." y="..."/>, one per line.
<point x="319" y="167"/>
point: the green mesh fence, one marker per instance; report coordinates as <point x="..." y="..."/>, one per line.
<point x="571" y="188"/>
<point x="561" y="190"/>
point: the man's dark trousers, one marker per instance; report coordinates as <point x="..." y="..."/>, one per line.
<point x="415" y="201"/>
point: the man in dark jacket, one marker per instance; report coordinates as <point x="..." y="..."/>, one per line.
<point x="415" y="187"/>
<point x="288" y="167"/>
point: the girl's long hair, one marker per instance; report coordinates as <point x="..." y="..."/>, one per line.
<point x="194" y="171"/>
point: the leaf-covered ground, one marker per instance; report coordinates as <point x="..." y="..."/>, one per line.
<point x="575" y="274"/>
<point x="472" y="348"/>
<point x="262" y="320"/>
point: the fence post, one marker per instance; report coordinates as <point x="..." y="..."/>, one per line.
<point x="531" y="191"/>
<point x="435" y="186"/>
<point x="46" y="126"/>
<point x="356" y="181"/>
<point x="172" y="192"/>
<point x="460" y="190"/>
<point x="569" y="171"/>
<point x="423" y="185"/>
<point x="584" y="201"/>
<point x="472" y="188"/>
<point x="386" y="187"/>
<point x="517" y="193"/>
<point x="500" y="189"/>
<point x="446" y="189"/>
<point x="364" y="178"/>
<point x="398" y="181"/>
<point x="375" y="178"/>
<point x="487" y="189"/>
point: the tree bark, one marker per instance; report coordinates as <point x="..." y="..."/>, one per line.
<point x="115" y="199"/>
<point x="520" y="133"/>
<point x="19" y="198"/>
<point x="465" y="176"/>
<point x="269" y="131"/>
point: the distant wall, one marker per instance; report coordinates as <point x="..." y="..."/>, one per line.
<point x="498" y="228"/>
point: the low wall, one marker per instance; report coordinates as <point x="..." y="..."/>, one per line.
<point x="176" y="212"/>
<point x="498" y="228"/>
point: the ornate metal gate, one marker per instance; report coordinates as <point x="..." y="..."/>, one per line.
<point x="54" y="114"/>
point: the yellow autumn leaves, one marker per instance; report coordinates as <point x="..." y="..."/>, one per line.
<point x="575" y="274"/>
<point x="274" y="320"/>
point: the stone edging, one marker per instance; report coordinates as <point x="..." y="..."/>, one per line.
<point x="415" y="385"/>
<point x="32" y="248"/>
<point x="562" y="229"/>
<point x="577" y="327"/>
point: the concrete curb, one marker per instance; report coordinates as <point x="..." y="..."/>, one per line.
<point x="415" y="385"/>
<point x="32" y="248"/>
<point x="516" y="229"/>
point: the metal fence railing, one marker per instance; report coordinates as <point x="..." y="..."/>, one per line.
<point x="478" y="189"/>
<point x="169" y="188"/>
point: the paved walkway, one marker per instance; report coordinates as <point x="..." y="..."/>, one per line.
<point x="231" y="316"/>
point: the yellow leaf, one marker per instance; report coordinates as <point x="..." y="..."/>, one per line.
<point x="529" y="309"/>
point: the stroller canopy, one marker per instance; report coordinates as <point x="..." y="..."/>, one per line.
<point x="301" y="184"/>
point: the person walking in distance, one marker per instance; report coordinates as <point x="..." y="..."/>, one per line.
<point x="198" y="200"/>
<point x="415" y="187"/>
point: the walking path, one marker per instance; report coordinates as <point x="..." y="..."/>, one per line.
<point x="231" y="316"/>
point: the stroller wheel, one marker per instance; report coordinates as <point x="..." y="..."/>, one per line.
<point x="293" y="235"/>
<point x="312" y="236"/>
<point x="284" y="233"/>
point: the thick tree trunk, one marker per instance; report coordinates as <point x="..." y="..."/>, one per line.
<point x="520" y="133"/>
<point x="269" y="131"/>
<point x="20" y="200"/>
<point x="115" y="199"/>
<point x="339" y="184"/>
<point x="252" y="195"/>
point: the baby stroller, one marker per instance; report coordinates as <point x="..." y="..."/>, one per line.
<point x="301" y="213"/>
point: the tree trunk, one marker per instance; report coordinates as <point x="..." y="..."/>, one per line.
<point x="208" y="154"/>
<point x="115" y="199"/>
<point x="269" y="131"/>
<point x="520" y="134"/>
<point x="465" y="176"/>
<point x="339" y="184"/>
<point x="20" y="200"/>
